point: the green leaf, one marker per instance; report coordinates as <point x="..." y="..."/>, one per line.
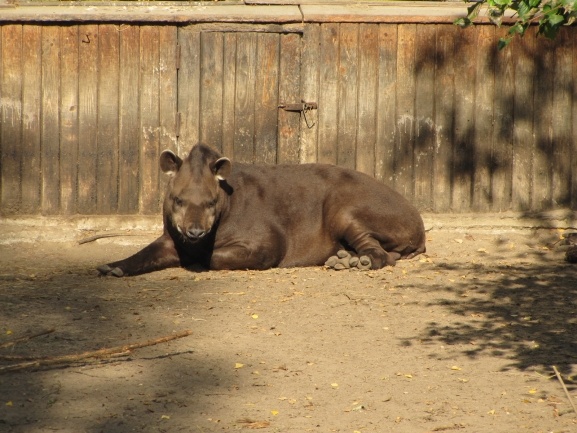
<point x="523" y="10"/>
<point x="555" y="19"/>
<point x="463" y="22"/>
<point x="503" y="42"/>
<point x="473" y="11"/>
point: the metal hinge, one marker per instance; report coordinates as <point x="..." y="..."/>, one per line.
<point x="301" y="107"/>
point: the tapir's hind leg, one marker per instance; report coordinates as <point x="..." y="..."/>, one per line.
<point x="366" y="245"/>
<point x="160" y="254"/>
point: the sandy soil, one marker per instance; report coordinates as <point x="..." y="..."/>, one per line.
<point x="463" y="338"/>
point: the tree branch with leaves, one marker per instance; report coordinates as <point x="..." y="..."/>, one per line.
<point x="548" y="15"/>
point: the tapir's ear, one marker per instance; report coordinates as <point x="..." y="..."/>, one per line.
<point x="169" y="162"/>
<point x="222" y="168"/>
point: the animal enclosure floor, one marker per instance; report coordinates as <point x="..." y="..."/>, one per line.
<point x="463" y="338"/>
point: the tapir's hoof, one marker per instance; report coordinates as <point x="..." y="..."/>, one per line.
<point x="364" y="263"/>
<point x="107" y="270"/>
<point x="345" y="260"/>
<point x="331" y="261"/>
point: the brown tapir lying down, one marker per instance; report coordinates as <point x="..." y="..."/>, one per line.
<point x="239" y="216"/>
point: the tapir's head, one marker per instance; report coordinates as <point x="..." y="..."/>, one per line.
<point x="194" y="198"/>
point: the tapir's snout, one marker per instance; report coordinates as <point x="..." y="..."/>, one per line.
<point x="194" y="234"/>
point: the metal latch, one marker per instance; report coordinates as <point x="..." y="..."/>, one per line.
<point x="302" y="107"/>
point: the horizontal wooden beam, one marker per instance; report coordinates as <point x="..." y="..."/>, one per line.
<point x="151" y="12"/>
<point x="247" y="11"/>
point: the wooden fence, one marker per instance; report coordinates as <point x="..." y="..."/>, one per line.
<point x="87" y="105"/>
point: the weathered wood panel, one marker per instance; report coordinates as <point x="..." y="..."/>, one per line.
<point x="460" y="126"/>
<point x="386" y="103"/>
<point x="230" y="86"/>
<point x="424" y="145"/>
<point x="108" y="112"/>
<point x="31" y="112"/>
<point x="68" y="118"/>
<point x="11" y="130"/>
<point x="435" y="111"/>
<point x="289" y="81"/>
<point x="328" y="95"/>
<point x="366" y="126"/>
<point x="444" y="118"/>
<point x="129" y="123"/>
<point x="87" y="118"/>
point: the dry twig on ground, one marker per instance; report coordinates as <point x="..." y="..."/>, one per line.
<point x="65" y="360"/>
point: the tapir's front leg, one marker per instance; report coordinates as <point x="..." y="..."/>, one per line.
<point x="160" y="254"/>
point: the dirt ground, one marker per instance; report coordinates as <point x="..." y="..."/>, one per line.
<point x="463" y="338"/>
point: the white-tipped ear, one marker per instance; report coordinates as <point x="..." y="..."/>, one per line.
<point x="169" y="162"/>
<point x="222" y="168"/>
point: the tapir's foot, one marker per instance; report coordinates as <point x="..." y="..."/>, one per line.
<point x="346" y="260"/>
<point x="109" y="271"/>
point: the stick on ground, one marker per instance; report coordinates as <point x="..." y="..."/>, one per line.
<point x="25" y="338"/>
<point x="65" y="360"/>
<point x="564" y="388"/>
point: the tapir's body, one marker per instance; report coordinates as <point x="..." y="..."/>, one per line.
<point x="241" y="216"/>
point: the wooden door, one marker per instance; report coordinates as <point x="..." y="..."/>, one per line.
<point x="230" y="85"/>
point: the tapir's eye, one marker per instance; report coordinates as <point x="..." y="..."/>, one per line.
<point x="177" y="201"/>
<point x="212" y="203"/>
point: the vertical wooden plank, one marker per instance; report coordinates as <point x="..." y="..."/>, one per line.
<point x="11" y="121"/>
<point x="310" y="90"/>
<point x="544" y="61"/>
<point x="50" y="162"/>
<point x="149" y="118"/>
<point x="328" y="97"/>
<point x="502" y="154"/>
<point x="87" y="117"/>
<point x="463" y="152"/>
<point x="168" y="97"/>
<point x="367" y="99"/>
<point x="68" y="118"/>
<point x="484" y="94"/>
<point x="107" y="137"/>
<point x="386" y="124"/>
<point x="211" y="94"/>
<point x="573" y="168"/>
<point x="523" y="126"/>
<point x="31" y="91"/>
<point x="189" y="88"/>
<point x="228" y="98"/>
<point x="266" y="97"/>
<point x="562" y="94"/>
<point x="245" y="97"/>
<point x="425" y="128"/>
<point x="405" y="117"/>
<point x="347" y="94"/>
<point x="444" y="94"/>
<point x="129" y="123"/>
<point x="289" y="124"/>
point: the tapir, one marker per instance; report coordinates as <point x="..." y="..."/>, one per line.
<point x="222" y="215"/>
